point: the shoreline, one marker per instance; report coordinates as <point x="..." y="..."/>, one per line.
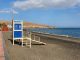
<point x="56" y="35"/>
<point x="62" y="37"/>
<point x="68" y="32"/>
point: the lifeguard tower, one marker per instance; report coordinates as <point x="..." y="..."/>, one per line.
<point x="18" y="34"/>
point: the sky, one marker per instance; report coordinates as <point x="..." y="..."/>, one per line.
<point x="59" y="13"/>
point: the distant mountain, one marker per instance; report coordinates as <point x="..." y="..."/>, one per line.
<point x="28" y="24"/>
<point x="34" y="25"/>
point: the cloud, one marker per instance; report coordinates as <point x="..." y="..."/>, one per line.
<point x="26" y="4"/>
<point x="8" y="11"/>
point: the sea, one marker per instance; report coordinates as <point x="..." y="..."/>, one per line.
<point x="72" y="32"/>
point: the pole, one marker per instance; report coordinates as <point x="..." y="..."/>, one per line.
<point x="30" y="39"/>
<point x="12" y="31"/>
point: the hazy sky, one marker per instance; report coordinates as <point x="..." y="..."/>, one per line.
<point x="59" y="13"/>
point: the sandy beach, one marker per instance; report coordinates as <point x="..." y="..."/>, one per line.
<point x="55" y="49"/>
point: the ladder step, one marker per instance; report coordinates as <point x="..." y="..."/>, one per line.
<point x="27" y="38"/>
<point x="38" y="41"/>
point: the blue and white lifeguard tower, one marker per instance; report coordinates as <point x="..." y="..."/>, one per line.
<point x="18" y="34"/>
<point x="17" y="30"/>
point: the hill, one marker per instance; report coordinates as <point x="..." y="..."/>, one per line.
<point x="28" y="24"/>
<point x="34" y="25"/>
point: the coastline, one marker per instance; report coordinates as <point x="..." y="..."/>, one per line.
<point x="68" y="32"/>
<point x="62" y="37"/>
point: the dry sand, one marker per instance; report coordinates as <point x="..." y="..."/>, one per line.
<point x="54" y="50"/>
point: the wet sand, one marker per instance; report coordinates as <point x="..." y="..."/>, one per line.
<point x="55" y="49"/>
